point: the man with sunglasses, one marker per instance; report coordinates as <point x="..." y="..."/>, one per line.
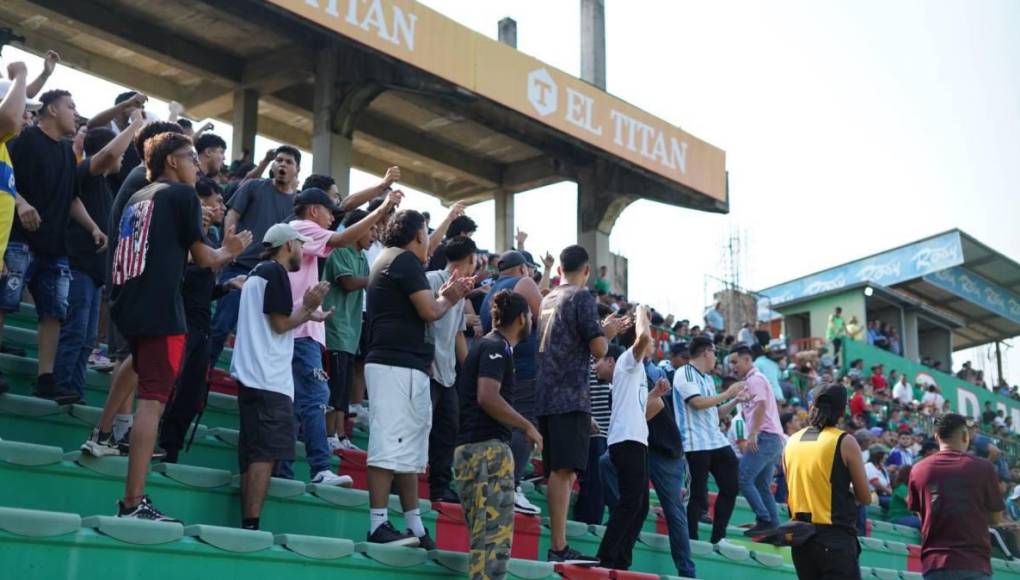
<point x="707" y="449"/>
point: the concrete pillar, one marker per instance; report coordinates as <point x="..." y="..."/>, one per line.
<point x="910" y="340"/>
<point x="508" y="32"/>
<point x="245" y="121"/>
<point x="331" y="151"/>
<point x="504" y="220"/>
<point x="593" y="42"/>
<point x="594" y="223"/>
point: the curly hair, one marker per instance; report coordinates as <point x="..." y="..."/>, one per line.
<point x="507" y="306"/>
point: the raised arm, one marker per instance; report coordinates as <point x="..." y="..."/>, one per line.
<point x="49" y="64"/>
<point x="310" y="303"/>
<point x="699" y="402"/>
<point x="107" y="158"/>
<point x="104" y="118"/>
<point x="430" y="308"/>
<point x="12" y="108"/>
<point x="456" y="210"/>
<point x="364" y="196"/>
<point x="351" y="235"/>
<point x="233" y="245"/>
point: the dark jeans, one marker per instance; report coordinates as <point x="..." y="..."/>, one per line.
<point x="524" y="403"/>
<point x="77" y="333"/>
<point x="442" y="438"/>
<point x="957" y="575"/>
<point x="591" y="501"/>
<point x="722" y="463"/>
<point x="225" y="318"/>
<point x="669" y="476"/>
<point x="630" y="459"/>
<point x="311" y="395"/>
<point x="190" y="393"/>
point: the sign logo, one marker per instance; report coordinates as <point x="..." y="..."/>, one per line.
<point x="542" y="91"/>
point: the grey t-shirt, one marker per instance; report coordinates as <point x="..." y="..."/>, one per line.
<point x="443" y="333"/>
<point x="261" y="206"/>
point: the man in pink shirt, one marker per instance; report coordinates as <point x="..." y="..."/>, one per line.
<point x="315" y="211"/>
<point x="764" y="446"/>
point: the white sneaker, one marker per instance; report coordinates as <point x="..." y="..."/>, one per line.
<point x="327" y="477"/>
<point x="524" y="506"/>
<point x="347" y="445"/>
<point x="334" y="443"/>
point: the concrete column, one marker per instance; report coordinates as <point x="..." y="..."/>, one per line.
<point x="595" y="219"/>
<point x="331" y="151"/>
<point x="245" y="121"/>
<point x="508" y="31"/>
<point x="910" y="340"/>
<point x="504" y="220"/>
<point x="593" y="42"/>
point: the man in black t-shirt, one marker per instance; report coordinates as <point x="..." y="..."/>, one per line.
<point x="160" y="226"/>
<point x="483" y="462"/>
<point x="36" y="256"/>
<point x="400" y="303"/>
<point x="104" y="150"/>
<point x="117" y="118"/>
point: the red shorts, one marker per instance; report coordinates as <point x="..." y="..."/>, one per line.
<point x="157" y="360"/>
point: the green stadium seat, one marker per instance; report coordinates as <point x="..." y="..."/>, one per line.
<point x="339" y="496"/>
<point x="29" y="406"/>
<point x="657" y="542"/>
<point x="316" y="547"/>
<point x="767" y="560"/>
<point x="132" y="531"/>
<point x="38" y="524"/>
<point x="531" y="570"/>
<point x="29" y="454"/>
<point x="231" y="539"/>
<point x="228" y="436"/>
<point x="885" y="574"/>
<point x="904" y="575"/>
<point x="732" y="552"/>
<point x="278" y="487"/>
<point x="112" y="466"/>
<point x="392" y="556"/>
<point x="897" y="547"/>
<point x="456" y="562"/>
<point x="194" y="476"/>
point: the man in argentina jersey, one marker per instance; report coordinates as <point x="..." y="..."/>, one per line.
<point x="706" y="446"/>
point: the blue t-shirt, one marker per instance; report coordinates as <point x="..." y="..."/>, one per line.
<point x="526" y="350"/>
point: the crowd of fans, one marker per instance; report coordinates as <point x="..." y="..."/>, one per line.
<point x="463" y="363"/>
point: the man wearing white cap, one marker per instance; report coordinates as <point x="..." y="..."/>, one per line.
<point x="261" y="363"/>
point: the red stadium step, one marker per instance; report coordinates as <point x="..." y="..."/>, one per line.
<point x="586" y="573"/>
<point x="452" y="532"/>
<point x="221" y="382"/>
<point x="914" y="559"/>
<point x="355" y="464"/>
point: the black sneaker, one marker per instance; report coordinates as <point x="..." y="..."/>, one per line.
<point x="124" y="444"/>
<point x="46" y="388"/>
<point x="446" y="496"/>
<point x="101" y="445"/>
<point x="144" y="511"/>
<point x="760" y="527"/>
<point x="425" y="542"/>
<point x="387" y="534"/>
<point x="4" y="387"/>
<point x="571" y="556"/>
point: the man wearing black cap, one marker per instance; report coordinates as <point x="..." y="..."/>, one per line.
<point x="513" y="275"/>
<point x="315" y="211"/>
<point x="826" y="478"/>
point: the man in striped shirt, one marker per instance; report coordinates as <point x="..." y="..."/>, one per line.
<point x="706" y="446"/>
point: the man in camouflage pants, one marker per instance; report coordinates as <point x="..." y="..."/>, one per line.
<point x="483" y="464"/>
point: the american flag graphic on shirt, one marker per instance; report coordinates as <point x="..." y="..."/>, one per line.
<point x="133" y="243"/>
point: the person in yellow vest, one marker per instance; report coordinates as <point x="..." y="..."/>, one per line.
<point x="826" y="479"/>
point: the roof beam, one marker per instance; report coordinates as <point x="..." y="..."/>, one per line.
<point x="142" y="37"/>
<point x="277" y="71"/>
<point x="531" y="174"/>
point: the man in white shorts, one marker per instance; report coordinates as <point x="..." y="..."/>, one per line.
<point x="400" y="305"/>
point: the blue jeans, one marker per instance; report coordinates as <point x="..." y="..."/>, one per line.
<point x="756" y="474"/>
<point x="225" y="318"/>
<point x="909" y="521"/>
<point x="47" y="278"/>
<point x="311" y="397"/>
<point x="669" y="476"/>
<point x="591" y="503"/>
<point x="77" y="333"/>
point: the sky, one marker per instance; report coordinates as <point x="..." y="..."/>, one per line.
<point x="850" y="127"/>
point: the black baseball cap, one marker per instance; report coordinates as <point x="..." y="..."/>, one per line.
<point x="529" y="259"/>
<point x="510" y="259"/>
<point x="679" y="349"/>
<point x="315" y="196"/>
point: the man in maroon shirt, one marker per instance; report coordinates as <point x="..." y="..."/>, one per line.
<point x="958" y="498"/>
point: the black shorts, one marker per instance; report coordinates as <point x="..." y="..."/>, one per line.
<point x="267" y="427"/>
<point x="117" y="347"/>
<point x="340" y="367"/>
<point x="565" y="441"/>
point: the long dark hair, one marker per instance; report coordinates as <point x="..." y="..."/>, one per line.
<point x="507" y="306"/>
<point x="823" y="415"/>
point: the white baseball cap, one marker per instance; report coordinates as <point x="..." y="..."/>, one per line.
<point x="280" y="234"/>
<point x="30" y="104"/>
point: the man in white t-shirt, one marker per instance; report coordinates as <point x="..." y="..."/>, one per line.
<point x="707" y="449"/>
<point x="261" y="364"/>
<point x="633" y="406"/>
<point x="902" y="392"/>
